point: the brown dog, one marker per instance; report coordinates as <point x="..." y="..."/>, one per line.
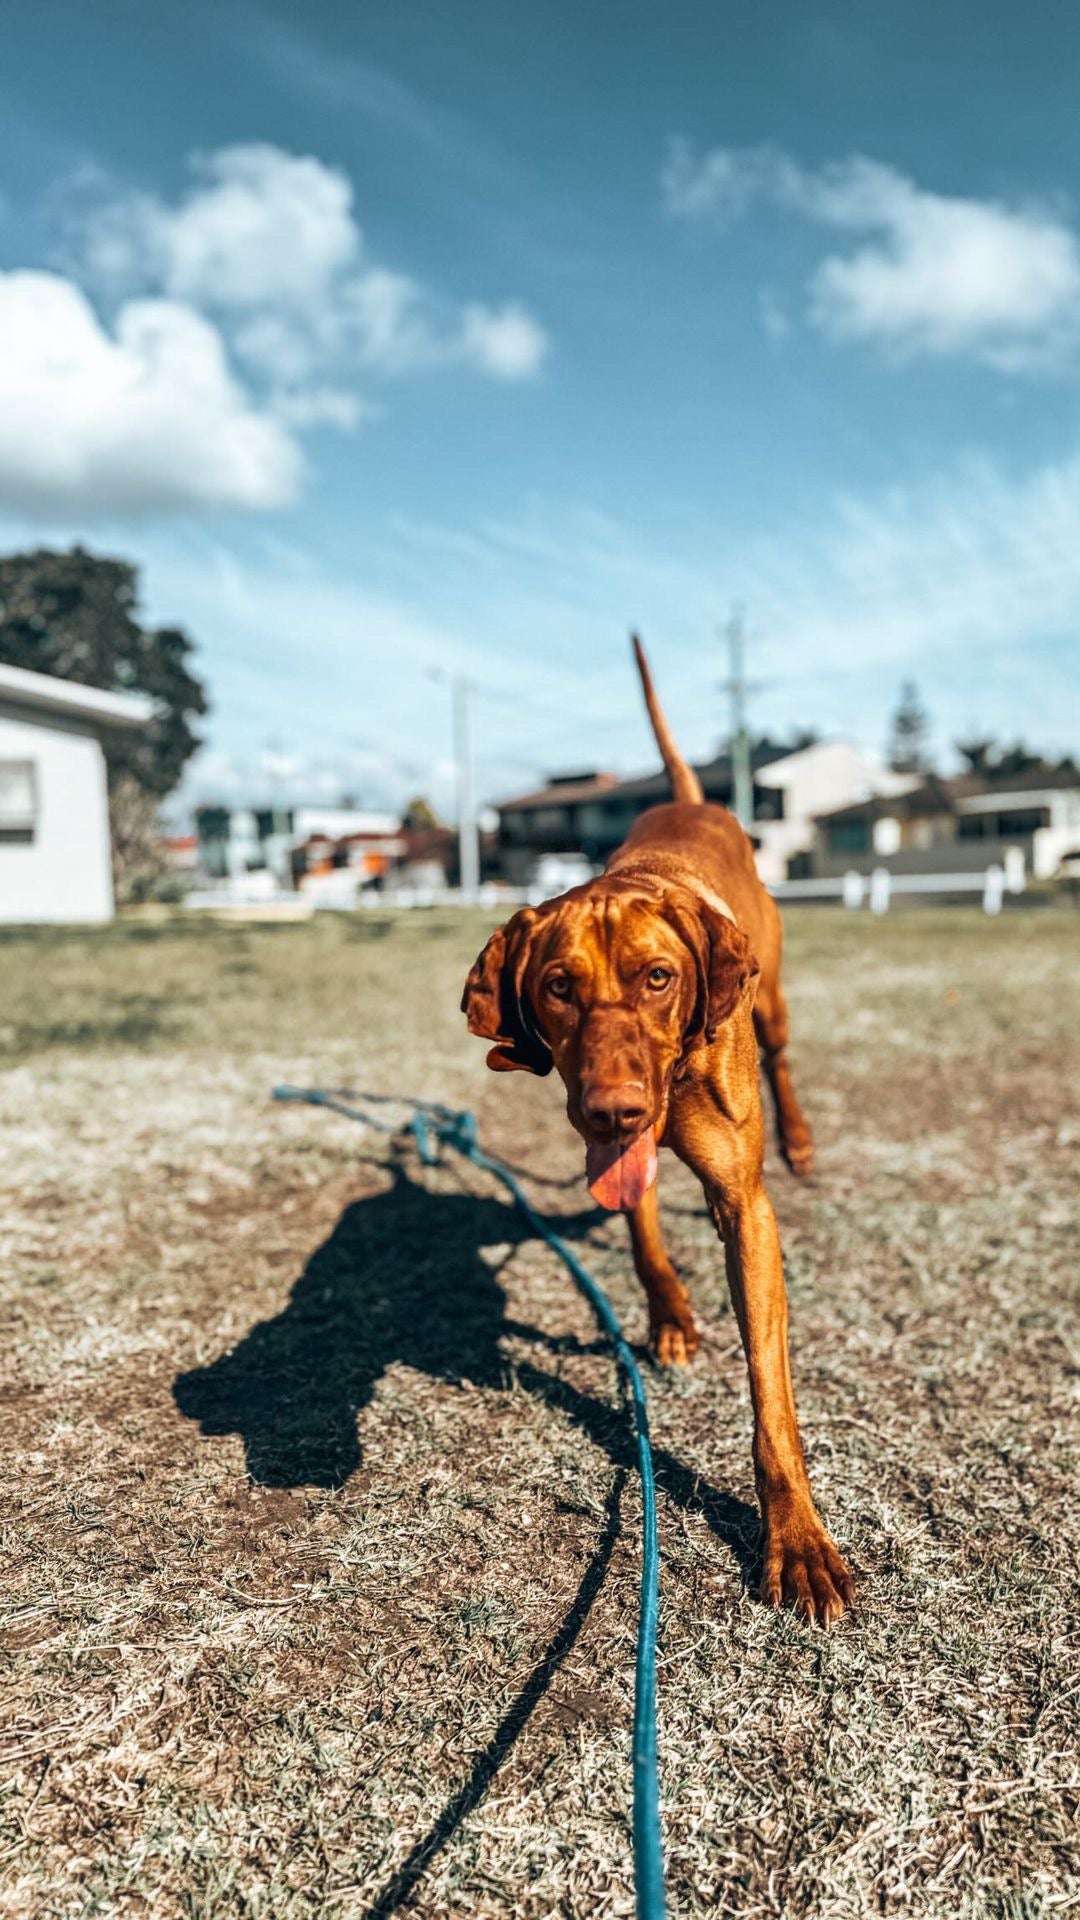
<point x="651" y="991"/>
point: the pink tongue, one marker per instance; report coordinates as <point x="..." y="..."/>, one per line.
<point x="620" y="1176"/>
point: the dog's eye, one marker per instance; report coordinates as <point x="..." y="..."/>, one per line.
<point x="659" y="977"/>
<point x="558" y="985"/>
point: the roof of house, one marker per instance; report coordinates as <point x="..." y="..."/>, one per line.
<point x="969" y="786"/>
<point x="931" y="797"/>
<point x="715" y="775"/>
<point x="965" y="792"/>
<point x="562" y="790"/>
<point x="365" y="837"/>
<point x="47" y="694"/>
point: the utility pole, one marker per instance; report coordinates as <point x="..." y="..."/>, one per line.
<point x="468" y="832"/>
<point x="737" y="688"/>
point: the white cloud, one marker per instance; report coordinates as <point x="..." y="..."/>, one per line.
<point x="936" y="274"/>
<point x="505" y="341"/>
<point x="260" y="228"/>
<point x="143" y="419"/>
<point x="386" y="322"/>
<point x="319" y="407"/>
<point x="223" y="325"/>
<point x="264" y="229"/>
<point x="269" y="244"/>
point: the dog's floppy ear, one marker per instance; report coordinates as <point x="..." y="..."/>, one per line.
<point x="726" y="967"/>
<point x="494" y="1005"/>
<point x="732" y="968"/>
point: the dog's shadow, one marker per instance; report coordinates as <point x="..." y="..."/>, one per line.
<point x="401" y="1279"/>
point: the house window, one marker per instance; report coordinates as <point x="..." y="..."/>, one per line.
<point x="18" y="800"/>
<point x="769" y="803"/>
<point x="1021" y="821"/>
<point x="849" y="836"/>
<point x="550" y="820"/>
<point x="973" y="826"/>
<point x="1016" y="823"/>
<point x="606" y="823"/>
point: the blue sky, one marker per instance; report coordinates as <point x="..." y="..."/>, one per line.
<point x="392" y="338"/>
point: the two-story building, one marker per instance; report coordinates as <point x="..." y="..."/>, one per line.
<point x="588" y="815"/>
<point x="962" y="825"/>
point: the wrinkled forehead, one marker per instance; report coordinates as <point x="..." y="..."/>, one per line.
<point x="605" y="931"/>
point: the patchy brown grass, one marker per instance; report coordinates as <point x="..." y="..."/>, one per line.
<point x="320" y="1539"/>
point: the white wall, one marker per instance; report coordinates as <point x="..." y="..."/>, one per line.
<point x="829" y="774"/>
<point x="64" y="873"/>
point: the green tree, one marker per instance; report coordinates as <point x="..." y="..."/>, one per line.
<point x="909" y="733"/>
<point x="420" y="814"/>
<point x="992" y="762"/>
<point x="978" y="756"/>
<point x="75" y="615"/>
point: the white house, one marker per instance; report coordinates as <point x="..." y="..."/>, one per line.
<point x="54" y="816"/>
<point x="1040" y="811"/>
<point x="811" y="781"/>
<point x="1026" y="822"/>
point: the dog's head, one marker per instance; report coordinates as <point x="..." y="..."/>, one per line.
<point x="615" y="986"/>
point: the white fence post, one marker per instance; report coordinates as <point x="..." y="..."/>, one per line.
<point x="880" y="890"/>
<point x="854" y="889"/>
<point x="993" y="889"/>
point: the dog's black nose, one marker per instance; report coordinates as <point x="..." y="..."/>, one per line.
<point x="613" y="1112"/>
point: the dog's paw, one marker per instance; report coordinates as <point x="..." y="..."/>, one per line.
<point x="804" y="1570"/>
<point x="798" y="1153"/>
<point x="674" y="1342"/>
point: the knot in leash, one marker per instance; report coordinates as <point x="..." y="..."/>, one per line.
<point x="457" y="1130"/>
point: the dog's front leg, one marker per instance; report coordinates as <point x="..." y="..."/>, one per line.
<point x="802" y="1567"/>
<point x="673" y="1335"/>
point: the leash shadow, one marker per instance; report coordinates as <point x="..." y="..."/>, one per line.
<point x="487" y="1762"/>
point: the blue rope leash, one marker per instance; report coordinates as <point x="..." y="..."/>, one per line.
<point x="432" y="1122"/>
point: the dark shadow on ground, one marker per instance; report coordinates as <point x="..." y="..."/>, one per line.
<point x="401" y="1279"/>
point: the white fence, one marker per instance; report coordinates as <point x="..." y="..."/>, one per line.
<point x="879" y="888"/>
<point x="853" y="890"/>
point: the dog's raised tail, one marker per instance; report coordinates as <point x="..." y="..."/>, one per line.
<point x="685" y="784"/>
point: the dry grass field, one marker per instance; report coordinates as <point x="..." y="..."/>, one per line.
<point x="321" y="1529"/>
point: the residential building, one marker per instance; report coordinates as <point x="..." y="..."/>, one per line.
<point x="55" y="857"/>
<point x="1029" y="821"/>
<point x="588" y="815"/>
<point x="564" y="817"/>
<point x="291" y="841"/>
